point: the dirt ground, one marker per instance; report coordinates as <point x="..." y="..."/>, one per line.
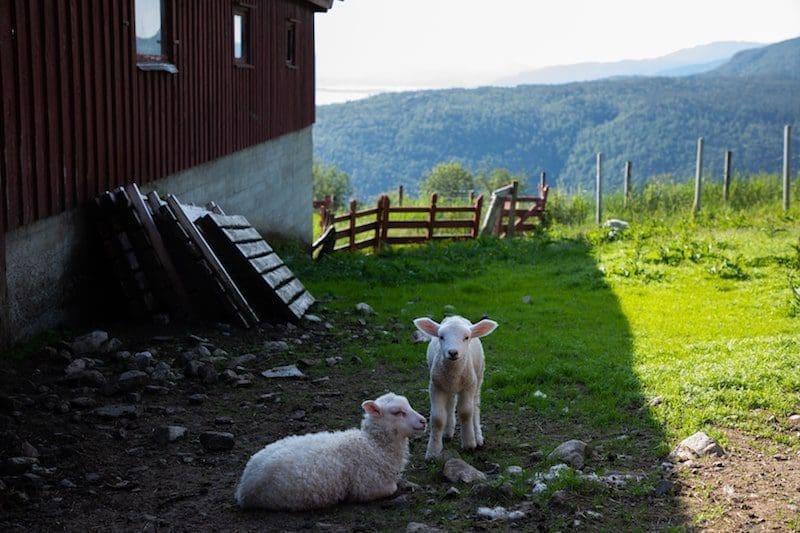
<point x="89" y="469"/>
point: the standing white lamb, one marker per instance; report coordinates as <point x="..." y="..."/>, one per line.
<point x="320" y="469"/>
<point x="456" y="363"/>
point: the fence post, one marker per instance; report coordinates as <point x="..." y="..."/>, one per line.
<point x="726" y="176"/>
<point x="698" y="176"/>
<point x="626" y="185"/>
<point x="378" y="222"/>
<point x="400" y="196"/>
<point x="384" y="223"/>
<point x="787" y="159"/>
<point x="476" y="219"/>
<point x="471" y="196"/>
<point x="353" y="206"/>
<point x="432" y="215"/>
<point x="512" y="210"/>
<point x="542" y="182"/>
<point x="598" y="197"/>
<point x="491" y="224"/>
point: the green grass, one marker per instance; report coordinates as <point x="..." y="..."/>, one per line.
<point x="695" y="309"/>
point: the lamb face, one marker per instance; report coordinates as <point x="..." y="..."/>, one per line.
<point x="394" y="413"/>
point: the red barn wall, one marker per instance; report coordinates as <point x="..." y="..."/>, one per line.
<point x="79" y="118"/>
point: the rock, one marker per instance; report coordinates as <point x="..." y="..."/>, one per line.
<point x="223" y="421"/>
<point x="794" y="420"/>
<point x="314" y="319"/>
<point x="572" y="452"/>
<point x="162" y="372"/>
<point x="615" y="223"/>
<point x="307" y="362"/>
<point x="93" y="478"/>
<point x="120" y="410"/>
<point x="111" y="345"/>
<point x="16" y="466"/>
<point x="29" y="450"/>
<point x="276" y="346"/>
<point x="78" y="365"/>
<point x="288" y="371"/>
<point x="202" y="351"/>
<point x="663" y="488"/>
<point x="142" y="360"/>
<point x="297" y="415"/>
<point x="219" y="352"/>
<point x="166" y="434"/>
<point x="83" y="402"/>
<point x="333" y="361"/>
<point x="539" y="394"/>
<point x="514" y="470"/>
<point x="91" y="378"/>
<point x="457" y="470"/>
<point x="66" y="484"/>
<point x="132" y="379"/>
<point x="527" y="299"/>
<point x="419" y="527"/>
<point x="229" y="375"/>
<point x="365" y="308"/>
<point x="242" y="360"/>
<point x="657" y="400"/>
<point x="500" y="513"/>
<point x="452" y="493"/>
<point x="217" y="441"/>
<point x="89" y="343"/>
<point x="207" y="374"/>
<point x="539" y="487"/>
<point x="197" y="399"/>
<point x="696" y="446"/>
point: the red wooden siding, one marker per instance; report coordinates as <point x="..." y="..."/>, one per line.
<point x="78" y="117"/>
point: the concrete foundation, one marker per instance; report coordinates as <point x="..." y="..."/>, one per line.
<point x="51" y="265"/>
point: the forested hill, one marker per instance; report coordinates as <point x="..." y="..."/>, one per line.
<point x="393" y="139"/>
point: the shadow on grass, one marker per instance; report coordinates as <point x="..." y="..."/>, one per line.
<point x="561" y="366"/>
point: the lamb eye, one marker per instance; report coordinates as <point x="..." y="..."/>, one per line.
<point x="400" y="413"/>
<point x="441" y="337"/>
<point x="466" y="338"/>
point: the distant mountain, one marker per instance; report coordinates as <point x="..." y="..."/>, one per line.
<point x="393" y="139"/>
<point x="778" y="60"/>
<point x="681" y="63"/>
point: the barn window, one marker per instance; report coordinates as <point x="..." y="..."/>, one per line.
<point x="291" y="43"/>
<point x="152" y="48"/>
<point x="241" y="35"/>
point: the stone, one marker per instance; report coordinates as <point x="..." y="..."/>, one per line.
<point x="794" y="420"/>
<point x="93" y="478"/>
<point x="197" y="399"/>
<point x="29" y="450"/>
<point x="297" y="415"/>
<point x="663" y="488"/>
<point x="219" y="352"/>
<point x="288" y="371"/>
<point x="166" y="434"/>
<point x="527" y="299"/>
<point x="217" y="441"/>
<point x="16" y="466"/>
<point x="457" y="470"/>
<point x="132" y="379"/>
<point x="120" y="410"/>
<point x="83" y="402"/>
<point x="223" y="421"/>
<point x="696" y="446"/>
<point x="500" y="513"/>
<point x="276" y="346"/>
<point x="229" y="375"/>
<point x="333" y="361"/>
<point x="419" y="527"/>
<point x="76" y="366"/>
<point x="452" y="493"/>
<point x="66" y="484"/>
<point x="142" y="359"/>
<point x="89" y="343"/>
<point x="615" y="223"/>
<point x="572" y="452"/>
<point x="111" y="345"/>
<point x="242" y="360"/>
<point x="364" y="308"/>
<point x="162" y="372"/>
<point x="314" y="319"/>
<point x="514" y="470"/>
<point x="207" y="374"/>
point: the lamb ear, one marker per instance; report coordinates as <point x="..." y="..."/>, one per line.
<point x="426" y="325"/>
<point x="371" y="408"/>
<point x="484" y="327"/>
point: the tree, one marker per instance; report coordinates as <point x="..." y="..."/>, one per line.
<point x="451" y="180"/>
<point x="500" y="177"/>
<point x="330" y="181"/>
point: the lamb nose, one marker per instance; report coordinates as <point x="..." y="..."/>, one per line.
<point x="452" y="353"/>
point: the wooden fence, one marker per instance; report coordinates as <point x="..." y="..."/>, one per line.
<point x="386" y="224"/>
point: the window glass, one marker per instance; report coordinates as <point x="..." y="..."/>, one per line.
<point x="148" y="27"/>
<point x="291" y="43"/>
<point x="238" y="33"/>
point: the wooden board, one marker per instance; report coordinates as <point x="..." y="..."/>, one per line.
<point x="213" y="261"/>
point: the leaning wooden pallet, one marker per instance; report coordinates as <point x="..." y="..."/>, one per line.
<point x="254" y="265"/>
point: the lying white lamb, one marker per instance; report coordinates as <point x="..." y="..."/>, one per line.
<point x="321" y="469"/>
<point x="456" y="363"/>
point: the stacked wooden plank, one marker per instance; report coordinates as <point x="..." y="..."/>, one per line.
<point x="192" y="262"/>
<point x="274" y="290"/>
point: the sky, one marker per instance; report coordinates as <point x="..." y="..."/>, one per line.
<point x="463" y="43"/>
